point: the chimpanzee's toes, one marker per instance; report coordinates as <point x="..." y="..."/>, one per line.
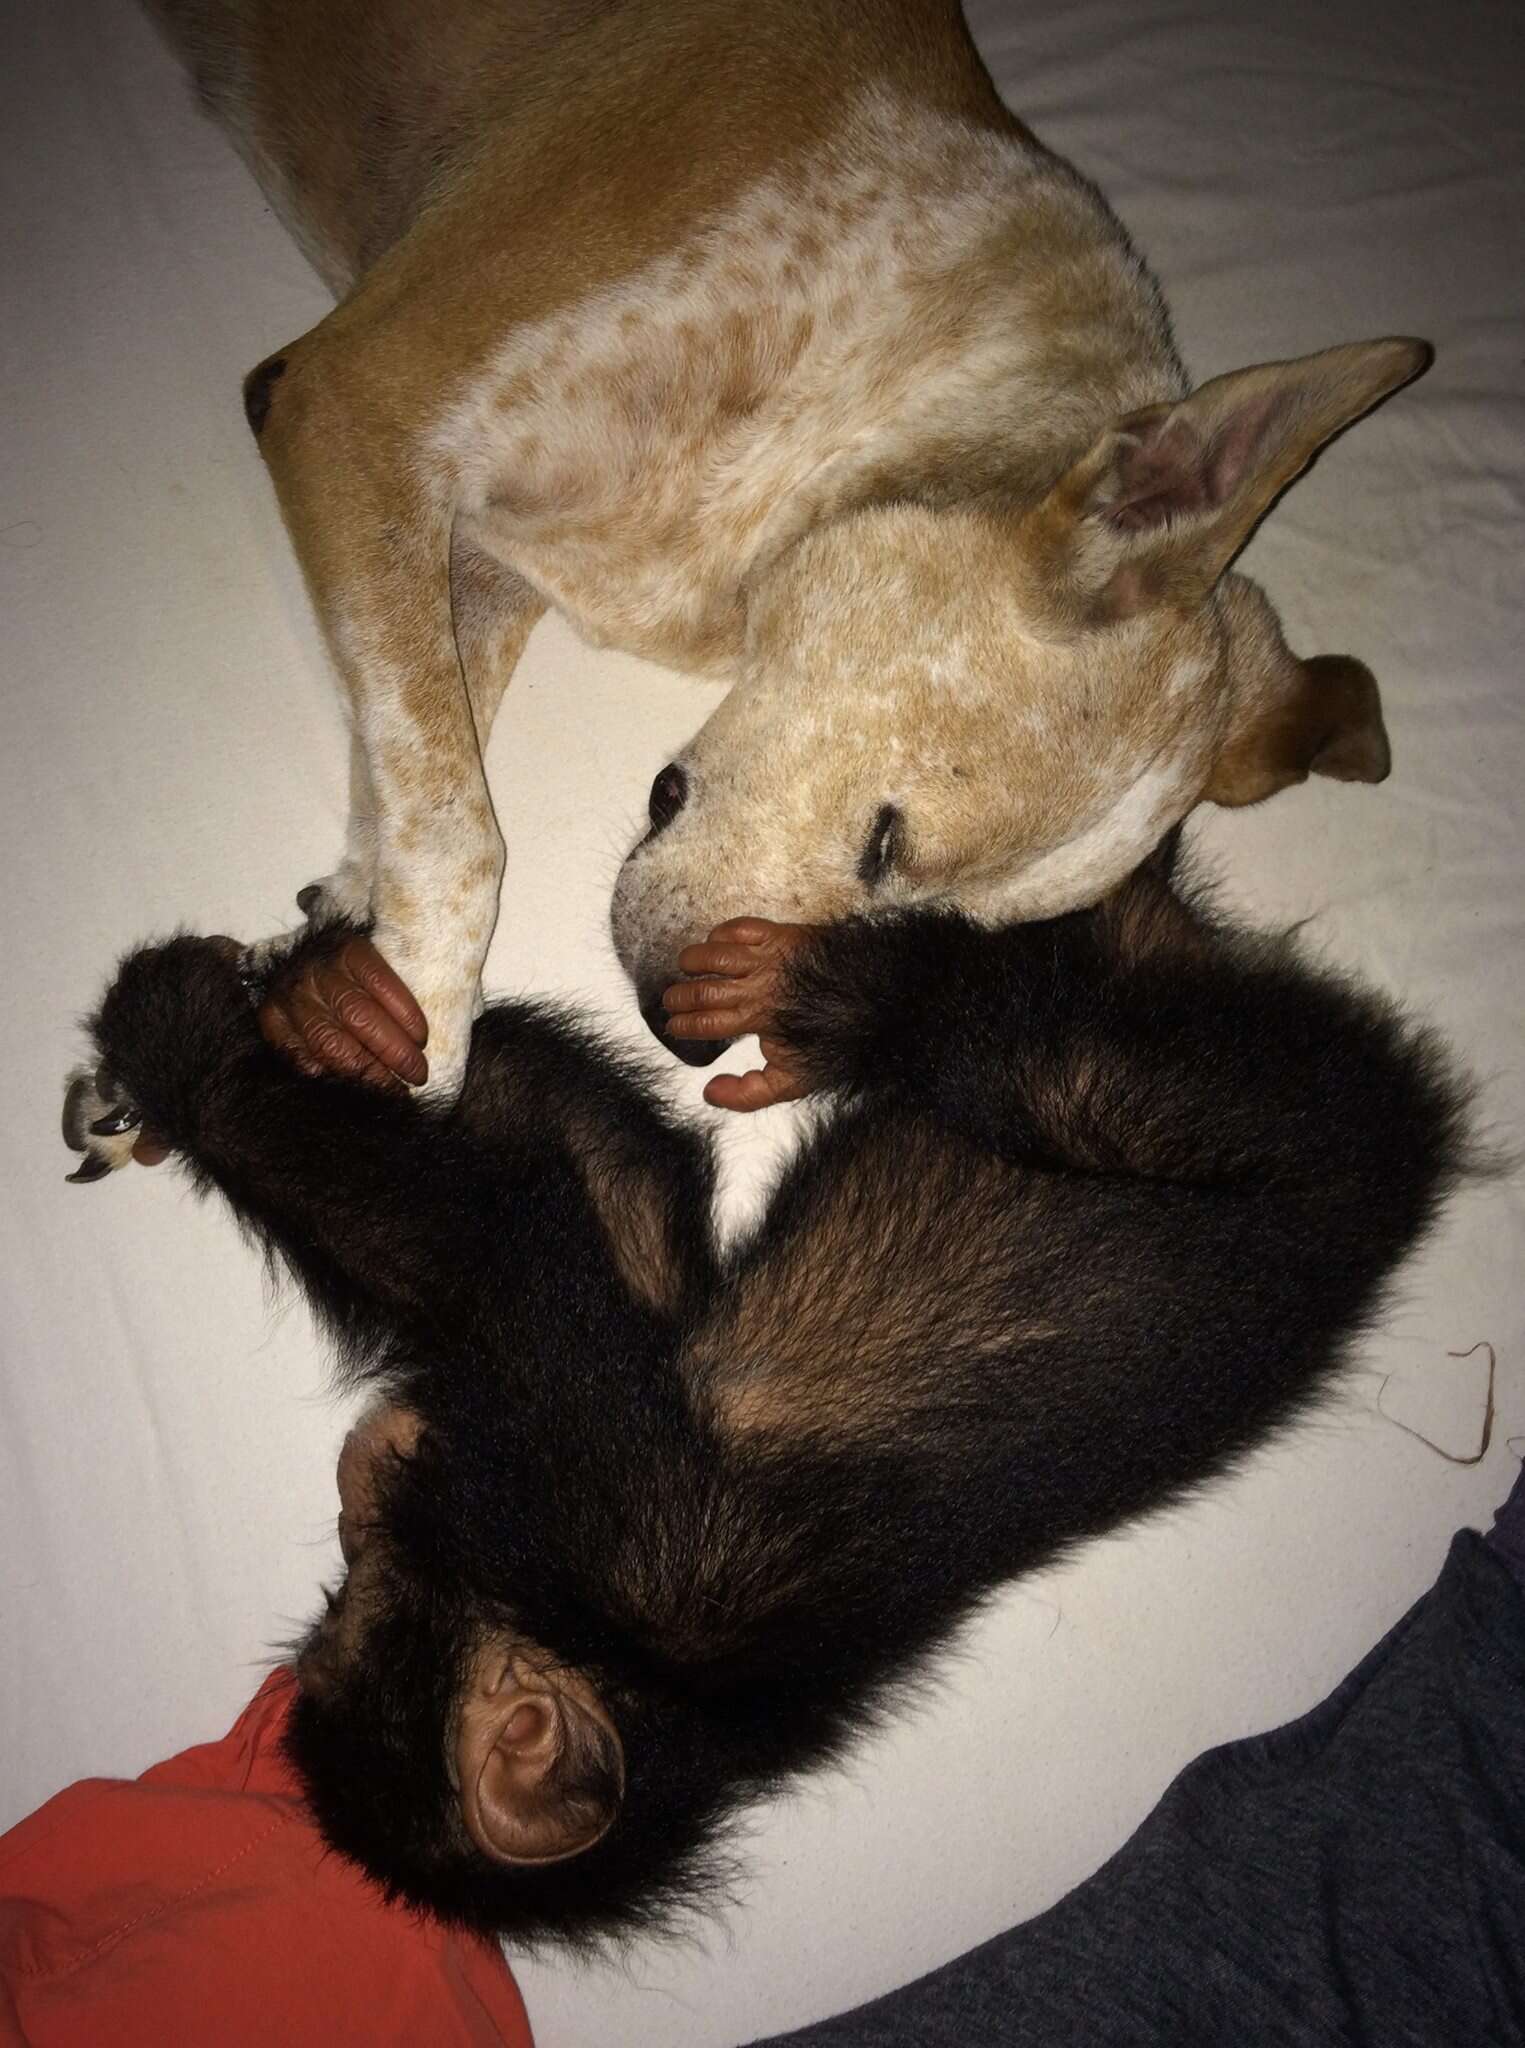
<point x="101" y="1120"/>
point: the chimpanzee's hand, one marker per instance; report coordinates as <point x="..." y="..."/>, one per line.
<point x="343" y="1013"/>
<point x="740" y="978"/>
<point x="347" y="1013"/>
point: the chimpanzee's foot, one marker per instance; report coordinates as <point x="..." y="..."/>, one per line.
<point x="101" y="1120"/>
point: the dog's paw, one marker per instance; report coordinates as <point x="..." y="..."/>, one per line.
<point x="448" y="1050"/>
<point x="343" y="897"/>
<point x="451" y="1010"/>
<point x="101" y="1120"/>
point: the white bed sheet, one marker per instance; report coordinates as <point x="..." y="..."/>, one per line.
<point x="1299" y="173"/>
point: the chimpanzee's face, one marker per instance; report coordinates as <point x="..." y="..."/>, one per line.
<point x="369" y="1460"/>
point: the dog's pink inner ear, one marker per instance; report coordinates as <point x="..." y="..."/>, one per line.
<point x="1164" y="500"/>
<point x="1178" y="467"/>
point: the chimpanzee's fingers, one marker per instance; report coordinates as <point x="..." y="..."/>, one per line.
<point x="328" y="1021"/>
<point x="373" y="1027"/>
<point x="327" y="1039"/>
<point x="710" y="958"/>
<point x="746" y="931"/>
<point x="375" y="1075"/>
<point x="379" y="981"/>
<point x="780" y="1072"/>
<point x="685" y="996"/>
<point x="348" y="1032"/>
<point x="330" y="1046"/>
<point x="277" y="1029"/>
<point x="761" y="1089"/>
<point x="731" y="1023"/>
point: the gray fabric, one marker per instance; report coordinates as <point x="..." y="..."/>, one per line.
<point x="1355" y="1877"/>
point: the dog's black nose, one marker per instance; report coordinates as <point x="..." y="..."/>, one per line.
<point x="694" y="1052"/>
<point x="669" y="793"/>
<point x="697" y="1052"/>
<point x="258" y="386"/>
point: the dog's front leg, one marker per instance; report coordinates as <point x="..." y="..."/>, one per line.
<point x="345" y="895"/>
<point x="492" y="611"/>
<point x="371" y="520"/>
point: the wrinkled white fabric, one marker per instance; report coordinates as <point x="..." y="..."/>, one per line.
<point x="1299" y="173"/>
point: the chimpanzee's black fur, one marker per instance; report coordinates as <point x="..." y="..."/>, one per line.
<point x="1106" y="1201"/>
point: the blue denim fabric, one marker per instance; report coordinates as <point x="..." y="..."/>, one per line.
<point x="1354" y="1878"/>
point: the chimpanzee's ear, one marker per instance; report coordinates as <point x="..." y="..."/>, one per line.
<point x="539" y="1762"/>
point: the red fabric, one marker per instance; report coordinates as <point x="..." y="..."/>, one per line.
<point x="198" y="1904"/>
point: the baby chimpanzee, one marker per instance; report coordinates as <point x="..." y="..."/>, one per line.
<point x="636" y="1530"/>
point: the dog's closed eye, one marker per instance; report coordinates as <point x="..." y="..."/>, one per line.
<point x="882" y="848"/>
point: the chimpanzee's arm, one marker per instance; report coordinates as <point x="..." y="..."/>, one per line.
<point x="1112" y="1195"/>
<point x="1142" y="1039"/>
<point x="400" y="1220"/>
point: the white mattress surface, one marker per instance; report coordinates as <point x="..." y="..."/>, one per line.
<point x="1299" y="173"/>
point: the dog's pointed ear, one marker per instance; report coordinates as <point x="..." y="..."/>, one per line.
<point x="1156" y="510"/>
<point x="539" y="1762"/>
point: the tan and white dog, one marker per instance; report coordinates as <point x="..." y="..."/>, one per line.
<point x="765" y="342"/>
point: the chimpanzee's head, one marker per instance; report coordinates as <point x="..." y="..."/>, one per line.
<point x="469" y="1768"/>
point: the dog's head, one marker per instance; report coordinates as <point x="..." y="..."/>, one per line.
<point x="1003" y="707"/>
